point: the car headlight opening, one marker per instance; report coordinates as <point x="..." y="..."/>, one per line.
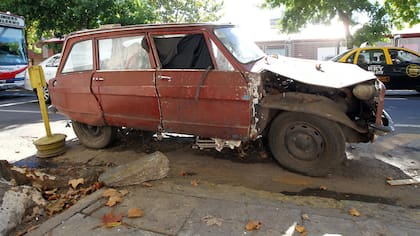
<point x="364" y="91"/>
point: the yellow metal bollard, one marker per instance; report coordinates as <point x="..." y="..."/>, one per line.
<point x="52" y="144"/>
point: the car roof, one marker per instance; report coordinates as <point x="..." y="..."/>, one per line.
<point x="385" y="47"/>
<point x="147" y="27"/>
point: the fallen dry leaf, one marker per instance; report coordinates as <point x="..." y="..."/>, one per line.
<point x="117" y="198"/>
<point x="109" y="192"/>
<point x="322" y="187"/>
<point x="354" y="212"/>
<point x="135" y="213"/>
<point x="211" y="220"/>
<point x="389" y="178"/>
<point x="75" y="182"/>
<point x="300" y="229"/>
<point x="305" y="217"/>
<point x="97" y="186"/>
<point x="147" y="185"/>
<point x="110" y="220"/>
<point x="51" y="192"/>
<point x="56" y="207"/>
<point x="253" y="225"/>
<point x="195" y="182"/>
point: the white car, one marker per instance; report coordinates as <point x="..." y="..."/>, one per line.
<point x="49" y="66"/>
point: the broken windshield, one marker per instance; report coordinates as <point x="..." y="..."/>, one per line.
<point x="243" y="49"/>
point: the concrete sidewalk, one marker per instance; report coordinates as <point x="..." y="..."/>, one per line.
<point x="175" y="207"/>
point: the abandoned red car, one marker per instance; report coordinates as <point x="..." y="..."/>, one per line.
<point x="209" y="81"/>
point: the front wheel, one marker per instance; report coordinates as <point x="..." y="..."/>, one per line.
<point x="306" y="143"/>
<point x="94" y="136"/>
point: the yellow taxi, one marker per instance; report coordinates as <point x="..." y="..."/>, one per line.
<point x="397" y="68"/>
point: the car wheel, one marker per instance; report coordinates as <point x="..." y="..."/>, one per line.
<point x="94" y="136"/>
<point x="306" y="143"/>
<point x="46" y="95"/>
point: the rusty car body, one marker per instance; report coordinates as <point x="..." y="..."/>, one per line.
<point x="209" y="81"/>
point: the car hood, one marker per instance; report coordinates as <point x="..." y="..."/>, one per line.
<point x="321" y="73"/>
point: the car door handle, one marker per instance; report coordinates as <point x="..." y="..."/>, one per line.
<point x="98" y="79"/>
<point x="165" y="77"/>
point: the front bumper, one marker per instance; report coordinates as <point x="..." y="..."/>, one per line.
<point x="386" y="126"/>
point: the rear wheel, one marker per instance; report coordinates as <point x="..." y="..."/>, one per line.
<point x="306" y="143"/>
<point x="94" y="136"/>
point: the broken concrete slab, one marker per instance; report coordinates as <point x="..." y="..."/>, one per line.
<point x="14" y="205"/>
<point x="151" y="167"/>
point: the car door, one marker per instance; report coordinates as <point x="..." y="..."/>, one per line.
<point x="198" y="96"/>
<point x="404" y="69"/>
<point x="70" y="90"/>
<point x="124" y="83"/>
<point x="374" y="60"/>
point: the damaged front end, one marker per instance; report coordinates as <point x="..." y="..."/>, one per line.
<point x="341" y="93"/>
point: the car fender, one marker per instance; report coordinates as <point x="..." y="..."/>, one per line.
<point x="312" y="104"/>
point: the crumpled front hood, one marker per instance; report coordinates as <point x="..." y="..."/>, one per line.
<point x="329" y="74"/>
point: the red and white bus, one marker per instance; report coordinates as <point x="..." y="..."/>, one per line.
<point x="13" y="53"/>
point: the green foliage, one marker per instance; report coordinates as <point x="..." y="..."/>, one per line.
<point x="298" y="13"/>
<point x="186" y="11"/>
<point x="403" y="12"/>
<point x="49" y="18"/>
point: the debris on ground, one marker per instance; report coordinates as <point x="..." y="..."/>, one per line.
<point x="354" y="212"/>
<point x="211" y="220"/>
<point x="301" y="229"/>
<point x="253" y="225"/>
<point x="135" y="212"/>
<point x="399" y="182"/>
<point x="151" y="167"/>
<point x="18" y="202"/>
<point x="110" y="220"/>
<point x="114" y="196"/>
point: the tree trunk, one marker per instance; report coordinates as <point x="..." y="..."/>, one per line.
<point x="346" y="23"/>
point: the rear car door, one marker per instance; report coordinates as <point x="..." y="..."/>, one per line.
<point x="404" y="70"/>
<point x="124" y="82"/>
<point x="197" y="95"/>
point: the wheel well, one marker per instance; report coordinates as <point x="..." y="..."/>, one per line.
<point x="271" y="106"/>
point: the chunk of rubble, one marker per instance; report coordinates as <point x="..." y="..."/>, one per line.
<point x="151" y="167"/>
<point x="15" y="203"/>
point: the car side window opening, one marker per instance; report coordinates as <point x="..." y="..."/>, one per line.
<point x="350" y="59"/>
<point x="398" y="56"/>
<point x="377" y="56"/>
<point x="124" y="53"/>
<point x="183" y="51"/>
<point x="363" y="58"/>
<point x="54" y="62"/>
<point x="80" y="57"/>
<point x="371" y="57"/>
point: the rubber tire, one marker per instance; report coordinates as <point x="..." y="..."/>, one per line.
<point x="329" y="134"/>
<point x="94" y="136"/>
<point x="46" y="93"/>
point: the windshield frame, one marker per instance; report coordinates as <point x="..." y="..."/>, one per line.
<point x="12" y="37"/>
<point x="243" y="50"/>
